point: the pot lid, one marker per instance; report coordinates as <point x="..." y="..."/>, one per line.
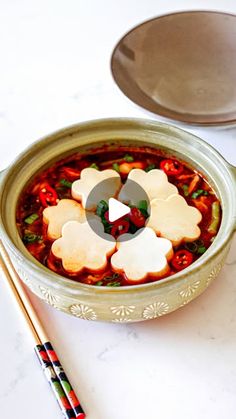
<point x="181" y="66"/>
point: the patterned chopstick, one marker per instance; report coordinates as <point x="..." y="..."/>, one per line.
<point x="61" y="387"/>
<point x="57" y="389"/>
<point x="62" y="377"/>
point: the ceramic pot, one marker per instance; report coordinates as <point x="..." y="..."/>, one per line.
<point x="128" y="303"/>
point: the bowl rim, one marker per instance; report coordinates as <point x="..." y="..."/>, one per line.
<point x="50" y="278"/>
<point x="162" y="114"/>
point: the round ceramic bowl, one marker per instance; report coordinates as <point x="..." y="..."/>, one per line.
<point x="128" y="303"/>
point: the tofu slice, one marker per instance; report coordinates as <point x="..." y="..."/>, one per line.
<point x="56" y="216"/>
<point x="154" y="184"/>
<point x="174" y="219"/>
<point x="141" y="255"/>
<point x="81" y="247"/>
<point x="91" y="188"/>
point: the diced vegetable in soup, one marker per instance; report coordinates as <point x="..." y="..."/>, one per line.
<point x="158" y="237"/>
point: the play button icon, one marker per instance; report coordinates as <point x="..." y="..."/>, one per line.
<point x="117" y="210"/>
<point x="114" y="212"/>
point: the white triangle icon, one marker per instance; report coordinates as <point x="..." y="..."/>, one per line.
<point x="117" y="209"/>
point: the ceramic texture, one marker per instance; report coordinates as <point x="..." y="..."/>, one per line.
<point x="181" y="66"/>
<point x="125" y="304"/>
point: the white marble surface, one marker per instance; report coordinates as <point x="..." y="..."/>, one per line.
<point x="54" y="72"/>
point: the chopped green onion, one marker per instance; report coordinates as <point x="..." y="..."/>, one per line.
<point x="128" y="158"/>
<point x="198" y="193"/>
<point x="31" y="218"/>
<point x="113" y="284"/>
<point x="63" y="192"/>
<point x="106" y="225"/>
<point x="145" y="213"/>
<point x="31" y="238"/>
<point x="201" y="250"/>
<point x="99" y="283"/>
<point x="102" y="207"/>
<point x="115" y="275"/>
<point x="150" y="167"/>
<point x="107" y="229"/>
<point x="199" y="242"/>
<point x="66" y="183"/>
<point x="215" y="218"/>
<point x="191" y="246"/>
<point x="116" y="167"/>
<point x="132" y="228"/>
<point x="143" y="205"/>
<point x="185" y="190"/>
<point x="111" y="278"/>
<point x="94" y="166"/>
<point x="105" y="222"/>
<point x="196" y="247"/>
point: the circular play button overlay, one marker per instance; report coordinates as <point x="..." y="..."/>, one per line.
<point x="116" y="210"/>
<point x="122" y="215"/>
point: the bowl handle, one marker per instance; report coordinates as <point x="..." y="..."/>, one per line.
<point x="233" y="172"/>
<point x="1" y="174"/>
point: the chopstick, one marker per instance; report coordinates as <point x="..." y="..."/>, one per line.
<point x="60" y="385"/>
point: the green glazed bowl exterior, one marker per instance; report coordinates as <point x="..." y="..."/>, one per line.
<point x="131" y="303"/>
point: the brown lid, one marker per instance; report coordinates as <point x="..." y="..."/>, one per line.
<point x="181" y="66"/>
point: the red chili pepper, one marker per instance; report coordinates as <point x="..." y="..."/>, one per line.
<point x="171" y="167"/>
<point x="48" y="195"/>
<point x="36" y="249"/>
<point x="182" y="259"/>
<point x="72" y="173"/>
<point x="136" y="217"/>
<point x="106" y="216"/>
<point x="119" y="227"/>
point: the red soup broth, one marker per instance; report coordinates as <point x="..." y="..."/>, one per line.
<point x="54" y="183"/>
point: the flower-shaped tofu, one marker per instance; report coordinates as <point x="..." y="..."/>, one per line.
<point x="174" y="219"/>
<point x="84" y="189"/>
<point x="81" y="248"/>
<point x="154" y="184"/>
<point x="143" y="255"/>
<point x="56" y="216"/>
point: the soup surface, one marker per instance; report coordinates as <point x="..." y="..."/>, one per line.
<point x="53" y="185"/>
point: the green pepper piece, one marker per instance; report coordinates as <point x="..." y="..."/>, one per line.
<point x="215" y="218"/>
